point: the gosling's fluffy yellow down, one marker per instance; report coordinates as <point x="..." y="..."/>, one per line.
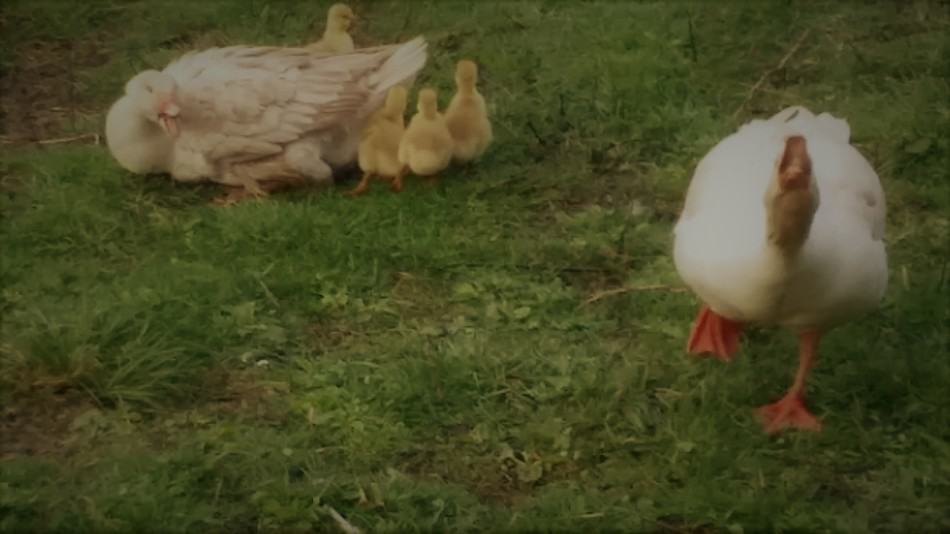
<point x="467" y="115"/>
<point x="336" y="38"/>
<point x="426" y="147"/>
<point x="378" y="152"/>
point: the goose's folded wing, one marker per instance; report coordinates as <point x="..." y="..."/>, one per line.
<point x="242" y="103"/>
<point x="865" y="186"/>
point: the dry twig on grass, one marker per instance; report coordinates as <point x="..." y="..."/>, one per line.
<point x="341" y="522"/>
<point x="600" y="295"/>
<point x="758" y="84"/>
<point x="70" y="139"/>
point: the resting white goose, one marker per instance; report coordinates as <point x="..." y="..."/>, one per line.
<point x="246" y="116"/>
<point x="783" y="225"/>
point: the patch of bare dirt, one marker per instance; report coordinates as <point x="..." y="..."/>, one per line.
<point x="58" y="422"/>
<point x="487" y="472"/>
<point x="39" y="93"/>
<point x="485" y="477"/>
<point x="327" y="334"/>
<point x="247" y="392"/>
<point x="41" y="425"/>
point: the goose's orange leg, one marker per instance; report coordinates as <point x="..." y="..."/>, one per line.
<point x="790" y="411"/>
<point x="713" y="333"/>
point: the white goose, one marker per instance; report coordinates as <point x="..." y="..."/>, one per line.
<point x="783" y="225"/>
<point x="247" y="116"/>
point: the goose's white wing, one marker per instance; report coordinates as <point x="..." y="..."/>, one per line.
<point x="241" y="103"/>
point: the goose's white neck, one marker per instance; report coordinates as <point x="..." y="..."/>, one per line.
<point x="790" y="215"/>
<point x="139" y="145"/>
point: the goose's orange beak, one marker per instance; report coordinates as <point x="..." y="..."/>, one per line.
<point x="168" y="118"/>
<point x="795" y="166"/>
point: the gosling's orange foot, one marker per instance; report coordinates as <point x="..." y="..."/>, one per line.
<point x="788" y="413"/>
<point x="230" y="199"/>
<point x="359" y="191"/>
<point x="238" y="194"/>
<point x="362" y="187"/>
<point x="713" y="333"/>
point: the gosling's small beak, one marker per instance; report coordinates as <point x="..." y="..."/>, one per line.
<point x="168" y="118"/>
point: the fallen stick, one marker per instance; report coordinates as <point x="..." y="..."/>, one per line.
<point x="341" y="522"/>
<point x="5" y="140"/>
<point x="766" y="74"/>
<point x="70" y="139"/>
<point x="631" y="289"/>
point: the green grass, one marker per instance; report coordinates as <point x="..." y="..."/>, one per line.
<point x="424" y="361"/>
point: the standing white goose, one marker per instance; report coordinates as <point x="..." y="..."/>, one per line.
<point x="783" y="225"/>
<point x="246" y="116"/>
